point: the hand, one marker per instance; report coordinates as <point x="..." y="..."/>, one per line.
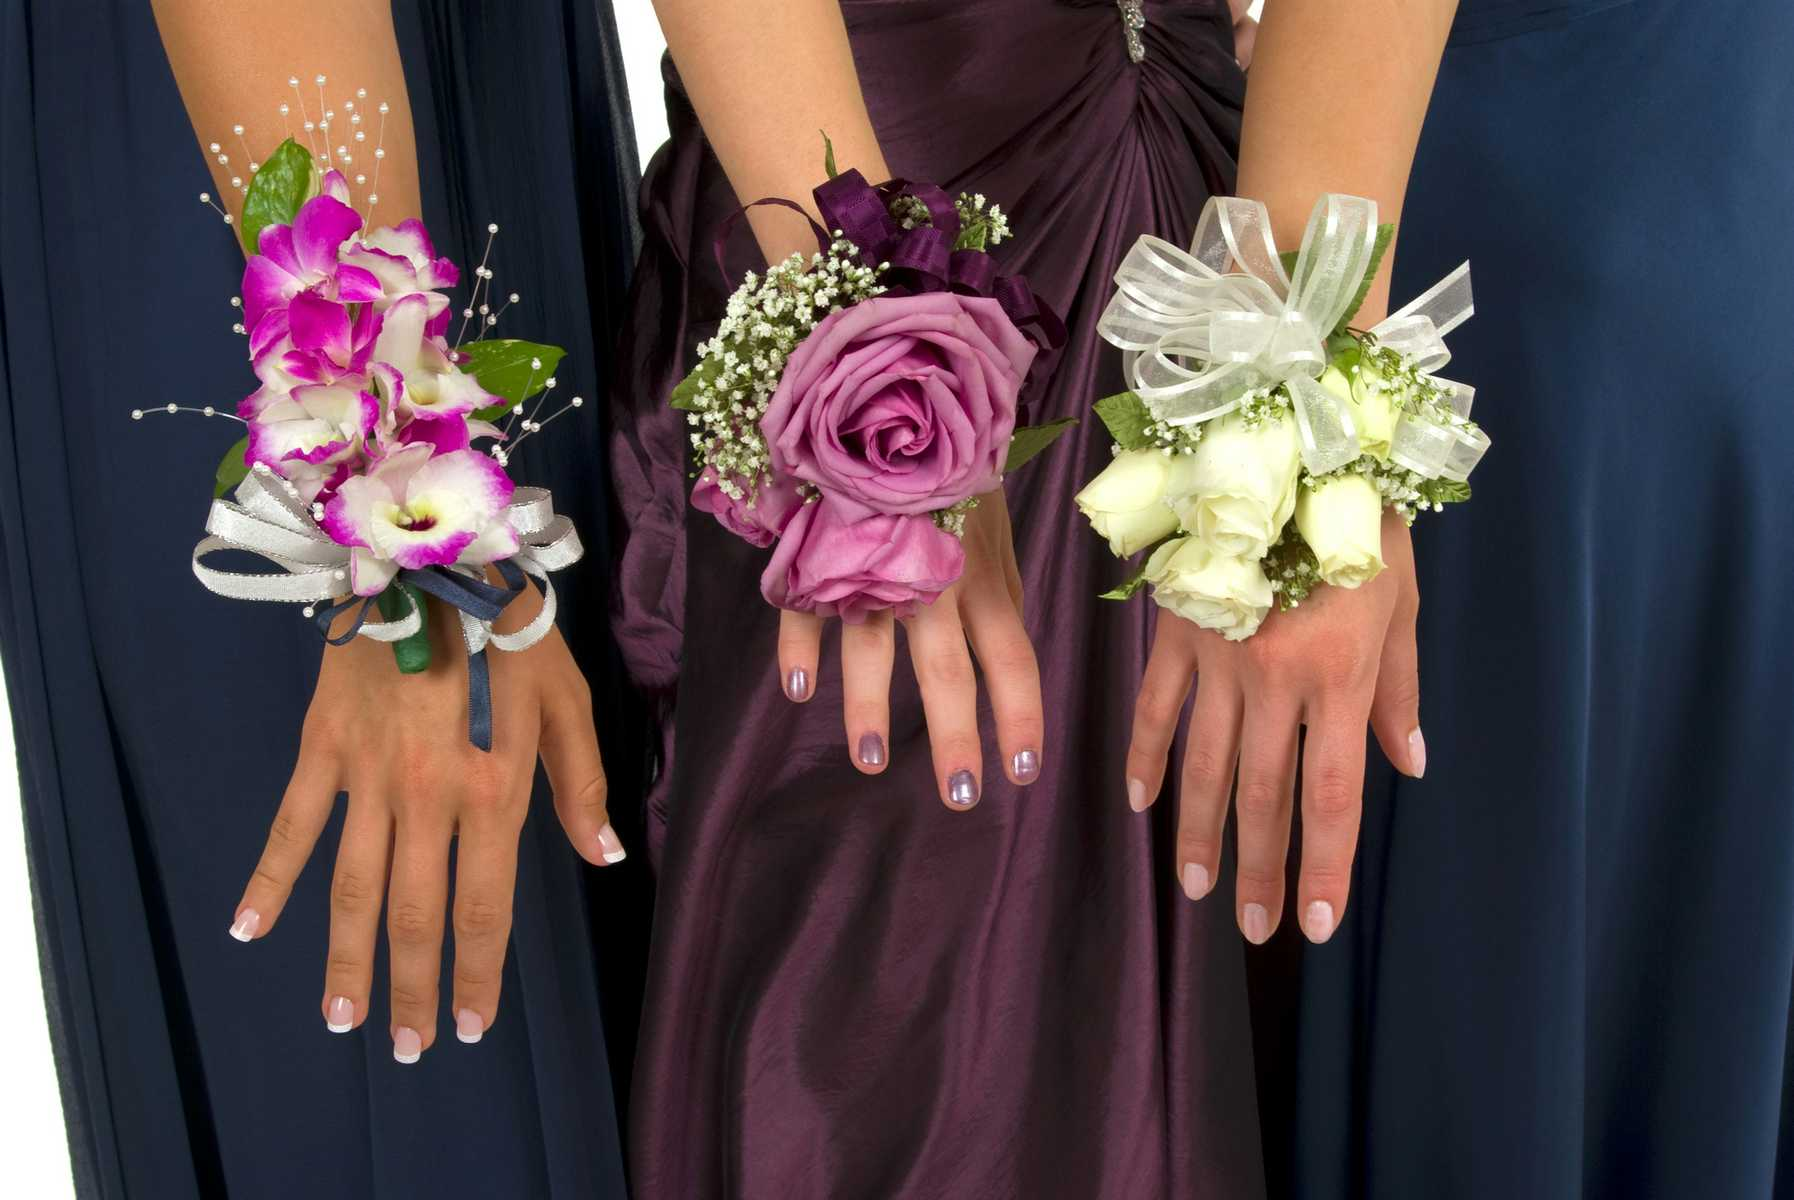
<point x="1343" y="657"/>
<point x="985" y="605"/>
<point x="398" y="744"/>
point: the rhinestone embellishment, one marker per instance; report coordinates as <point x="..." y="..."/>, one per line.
<point x="1133" y="20"/>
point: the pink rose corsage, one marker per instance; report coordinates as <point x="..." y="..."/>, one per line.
<point x="852" y="408"/>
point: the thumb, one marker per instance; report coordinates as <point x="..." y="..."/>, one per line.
<point x="1395" y="712"/>
<point x="569" y="749"/>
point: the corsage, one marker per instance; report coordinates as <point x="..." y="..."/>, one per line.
<point x="852" y="407"/>
<point x="358" y="478"/>
<point x="1263" y="436"/>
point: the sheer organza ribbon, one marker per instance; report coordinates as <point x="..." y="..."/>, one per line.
<point x="267" y="518"/>
<point x="1204" y="327"/>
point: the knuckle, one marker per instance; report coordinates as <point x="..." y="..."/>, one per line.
<point x="410" y="924"/>
<point x="1011" y="656"/>
<point x="1326" y="879"/>
<point x="412" y="999"/>
<point x="270" y="878"/>
<point x="1339" y="670"/>
<point x="1333" y="792"/>
<point x="1157" y="709"/>
<point x="342" y="962"/>
<point x="1260" y="801"/>
<point x="478" y="920"/>
<point x="284" y="833"/>
<point x="1403" y="690"/>
<point x="352" y="892"/>
<point x="473" y="978"/>
<point x="1259" y="878"/>
<point x="946" y="670"/>
<point x="1204" y="768"/>
<point x="592" y="796"/>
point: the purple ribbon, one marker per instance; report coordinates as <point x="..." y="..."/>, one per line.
<point x="923" y="259"/>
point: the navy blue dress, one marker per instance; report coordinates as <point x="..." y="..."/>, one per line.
<point x="1566" y="967"/>
<point x="157" y="723"/>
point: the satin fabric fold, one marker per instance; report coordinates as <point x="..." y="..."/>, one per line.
<point x="853" y="991"/>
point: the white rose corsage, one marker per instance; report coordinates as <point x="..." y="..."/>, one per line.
<point x="1263" y="436"/>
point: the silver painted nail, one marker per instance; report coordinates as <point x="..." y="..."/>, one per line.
<point x="962" y="789"/>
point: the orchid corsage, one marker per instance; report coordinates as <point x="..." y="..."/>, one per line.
<point x="358" y="476"/>
<point x="1264" y="435"/>
<point x="853" y="406"/>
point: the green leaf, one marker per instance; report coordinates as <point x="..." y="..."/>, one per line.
<point x="1288" y="259"/>
<point x="1385" y="235"/>
<point x="1030" y="440"/>
<point x="828" y="154"/>
<point x="1127" y="417"/>
<point x="1126" y="589"/>
<point x="685" y="396"/>
<point x="412" y="653"/>
<point x="276" y="190"/>
<point x="1445" y="491"/>
<point x="232" y="469"/>
<point x="502" y="365"/>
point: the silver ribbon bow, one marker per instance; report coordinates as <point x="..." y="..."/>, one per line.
<point x="267" y="518"/>
<point x="1201" y="329"/>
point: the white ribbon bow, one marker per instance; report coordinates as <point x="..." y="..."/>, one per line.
<point x="268" y="519"/>
<point x="1258" y="326"/>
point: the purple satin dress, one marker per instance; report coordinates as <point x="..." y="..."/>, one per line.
<point x="854" y="992"/>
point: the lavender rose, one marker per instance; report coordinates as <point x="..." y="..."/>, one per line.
<point x="901" y="404"/>
<point x="758" y="517"/>
<point x="834" y="562"/>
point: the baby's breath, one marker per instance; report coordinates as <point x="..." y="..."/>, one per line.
<point x="953" y="519"/>
<point x="739" y="367"/>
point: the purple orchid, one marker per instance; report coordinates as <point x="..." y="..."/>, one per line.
<point x="414" y="509"/>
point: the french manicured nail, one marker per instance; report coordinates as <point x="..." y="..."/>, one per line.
<point x="469" y="1026"/>
<point x="872" y="750"/>
<point x="1317" y="921"/>
<point x="962" y="789"/>
<point x="244" y="927"/>
<point x="1257" y="923"/>
<point x="1025" y="766"/>
<point x="610" y="846"/>
<point x="340" y="1016"/>
<point x="407" y="1046"/>
<point x="1195" y="880"/>
<point x="1417" y="753"/>
<point x="1136" y="795"/>
<point x="797" y="684"/>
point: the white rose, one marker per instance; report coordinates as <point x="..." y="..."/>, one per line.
<point x="1229" y="595"/>
<point x="1342" y="522"/>
<point x="1130" y="502"/>
<point x="1371" y="403"/>
<point x="1244" y="486"/>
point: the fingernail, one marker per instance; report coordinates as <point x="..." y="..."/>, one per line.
<point x="610" y="845"/>
<point x="469" y="1027"/>
<point x="407" y="1046"/>
<point x="1025" y="766"/>
<point x="1257" y="923"/>
<point x="872" y="750"/>
<point x="1317" y="921"/>
<point x="962" y="789"/>
<point x="244" y="927"/>
<point x="1195" y="880"/>
<point x="797" y="684"/>
<point x="1416" y="753"/>
<point x="1136" y="795"/>
<point x="339" y="1017"/>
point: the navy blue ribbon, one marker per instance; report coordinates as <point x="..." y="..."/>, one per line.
<point x="478" y="599"/>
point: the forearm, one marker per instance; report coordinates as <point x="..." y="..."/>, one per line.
<point x="766" y="123"/>
<point x="233" y="61"/>
<point x="1334" y="103"/>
